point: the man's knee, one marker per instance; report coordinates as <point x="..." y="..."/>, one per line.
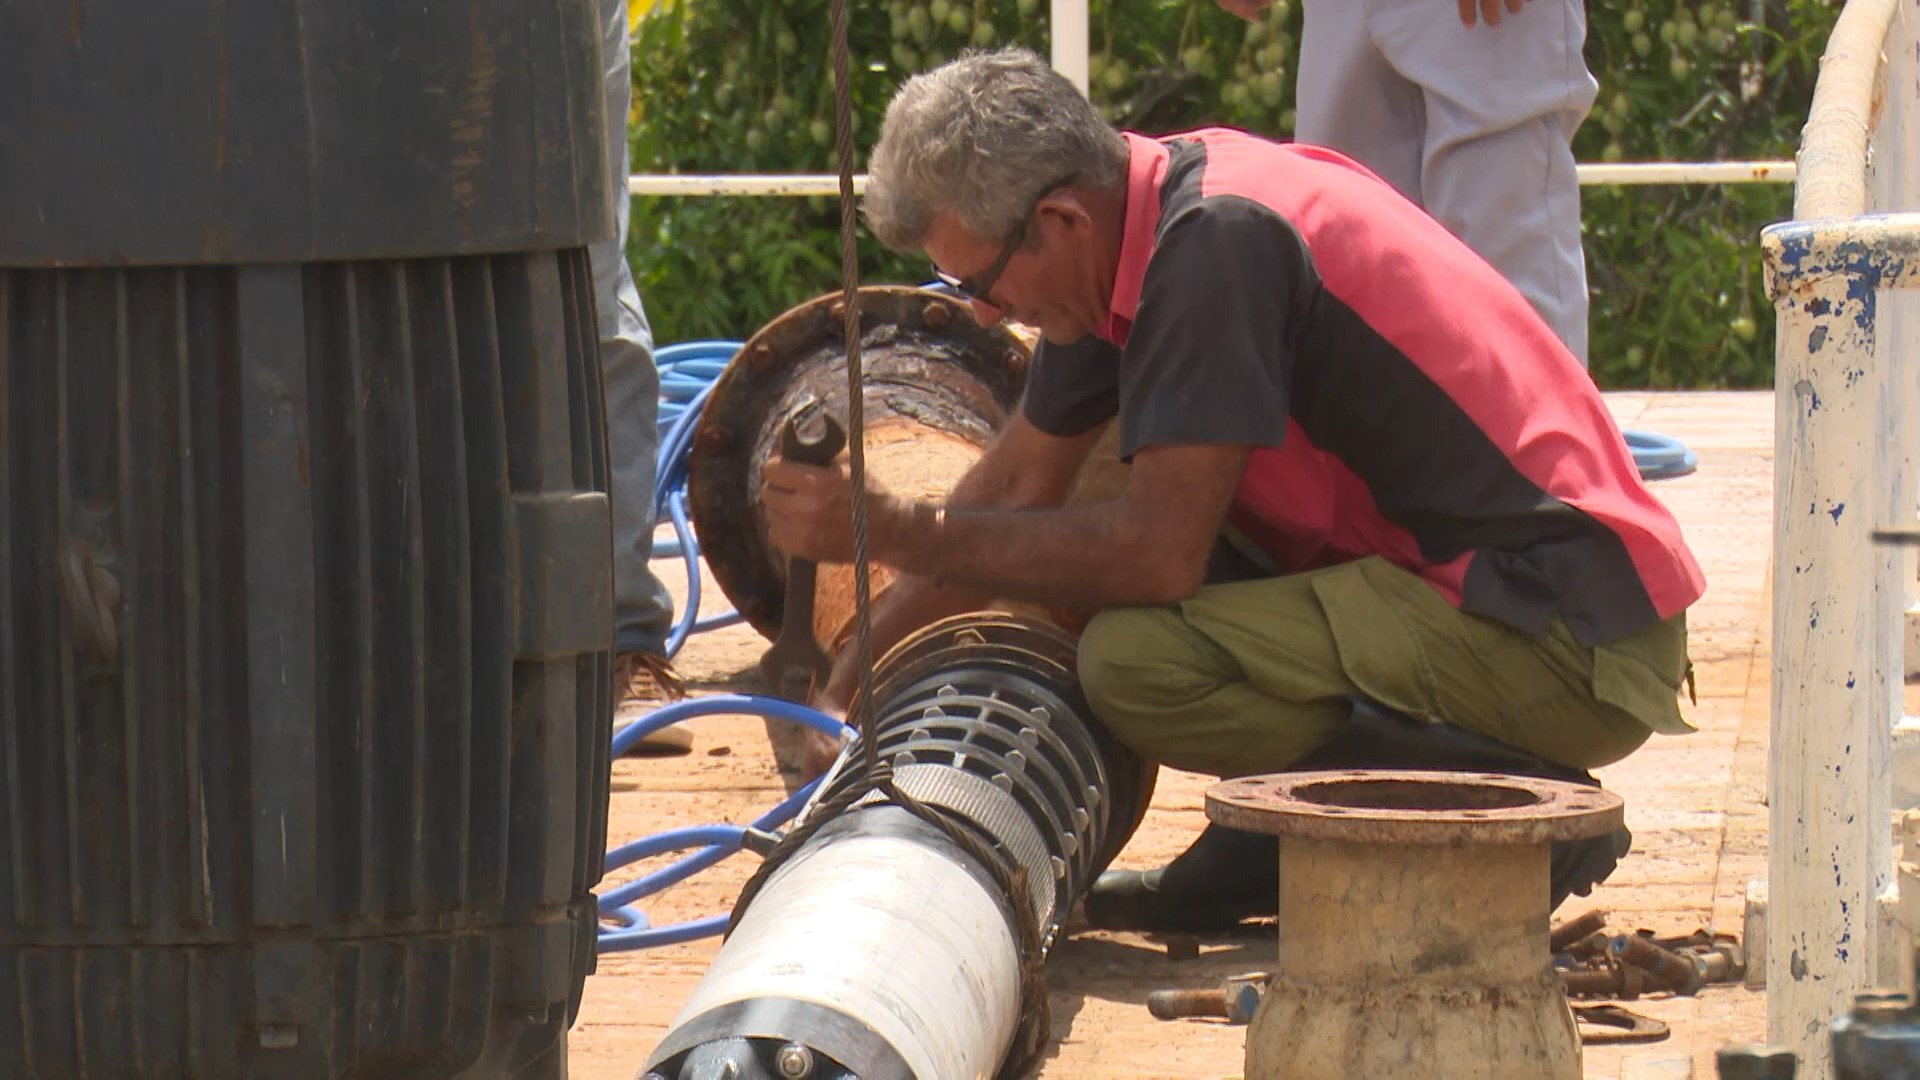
<point x="1126" y="651"/>
<point x="1140" y="667"/>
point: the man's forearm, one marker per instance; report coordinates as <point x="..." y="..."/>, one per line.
<point x="1086" y="555"/>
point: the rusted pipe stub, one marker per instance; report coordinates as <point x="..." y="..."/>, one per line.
<point x="1410" y="807"/>
<point x="955" y="379"/>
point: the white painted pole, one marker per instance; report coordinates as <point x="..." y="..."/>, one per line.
<point x="1069" y="27"/>
<point x="1823" y="865"/>
<point x="1836" y="600"/>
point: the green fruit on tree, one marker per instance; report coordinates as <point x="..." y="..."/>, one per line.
<point x="1193" y="57"/>
<point x="905" y="58"/>
<point x="1633" y="20"/>
<point x="1689" y="33"/>
<point x="786" y="42"/>
<point x="1118" y="74"/>
<point x="960" y="21"/>
<point x="1743" y="327"/>
<point x="1636" y="357"/>
<point x="919" y="24"/>
<point x="1271" y="89"/>
<point x="736" y="263"/>
<point x="984" y="34"/>
<point x="1287" y="119"/>
<point x="821" y="131"/>
<point x="1027" y="7"/>
<point x="756" y="139"/>
<point x="1669" y="32"/>
<point x="1269" y="56"/>
<point x="940" y="9"/>
<point x="1621" y="106"/>
<point x="1642" y="44"/>
<point x="1680" y="67"/>
<point x="1612" y="152"/>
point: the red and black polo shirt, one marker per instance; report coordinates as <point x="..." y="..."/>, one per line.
<point x="1401" y="398"/>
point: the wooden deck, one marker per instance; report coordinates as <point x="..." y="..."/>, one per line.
<point x="1694" y="804"/>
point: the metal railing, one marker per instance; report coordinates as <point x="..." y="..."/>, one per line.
<point x="1610" y="175"/>
<point x="1845" y="393"/>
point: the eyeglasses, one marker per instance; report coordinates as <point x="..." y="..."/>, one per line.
<point x="981" y="288"/>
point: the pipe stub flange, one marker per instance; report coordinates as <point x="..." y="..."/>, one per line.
<point x="1413" y="807"/>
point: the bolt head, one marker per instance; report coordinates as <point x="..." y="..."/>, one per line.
<point x="794" y="1061"/>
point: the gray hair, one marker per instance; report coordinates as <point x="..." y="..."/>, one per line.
<point x="977" y="137"/>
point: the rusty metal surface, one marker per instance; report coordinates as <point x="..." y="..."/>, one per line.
<point x="927" y="362"/>
<point x="1576" y="930"/>
<point x="1406" y="807"/>
<point x="1601" y="1025"/>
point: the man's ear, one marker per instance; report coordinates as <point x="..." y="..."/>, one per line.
<point x="1066" y="207"/>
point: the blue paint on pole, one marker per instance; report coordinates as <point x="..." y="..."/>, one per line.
<point x="1835" y="511"/>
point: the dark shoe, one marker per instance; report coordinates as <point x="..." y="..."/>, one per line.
<point x="1223" y="879"/>
<point x="640" y="682"/>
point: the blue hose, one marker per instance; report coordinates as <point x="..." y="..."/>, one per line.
<point x="1660" y="457"/>
<point x="687" y="373"/>
<point x="629" y="928"/>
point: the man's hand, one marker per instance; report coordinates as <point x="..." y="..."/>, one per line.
<point x="1247" y="9"/>
<point x="810" y="509"/>
<point x="1489" y="10"/>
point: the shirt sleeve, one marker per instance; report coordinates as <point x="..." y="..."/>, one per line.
<point x="1072" y="388"/>
<point x="1210" y="358"/>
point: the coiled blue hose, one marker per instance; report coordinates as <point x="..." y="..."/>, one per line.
<point x="1660" y="457"/>
<point x="687" y="373"/>
<point x="629" y="928"/>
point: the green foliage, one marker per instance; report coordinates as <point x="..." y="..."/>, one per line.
<point x="745" y="86"/>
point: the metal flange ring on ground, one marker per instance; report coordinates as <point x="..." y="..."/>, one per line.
<point x="926" y="362"/>
<point x="1407" y="807"/>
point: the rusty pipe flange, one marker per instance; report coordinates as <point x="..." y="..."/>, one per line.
<point x="1406" y="807"/>
<point x="927" y="363"/>
<point x="1413" y="916"/>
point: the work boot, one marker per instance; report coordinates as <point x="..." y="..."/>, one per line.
<point x="1224" y="878"/>
<point x="642" y="681"/>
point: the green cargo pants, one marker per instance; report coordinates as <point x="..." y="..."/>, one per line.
<point x="1247" y="677"/>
